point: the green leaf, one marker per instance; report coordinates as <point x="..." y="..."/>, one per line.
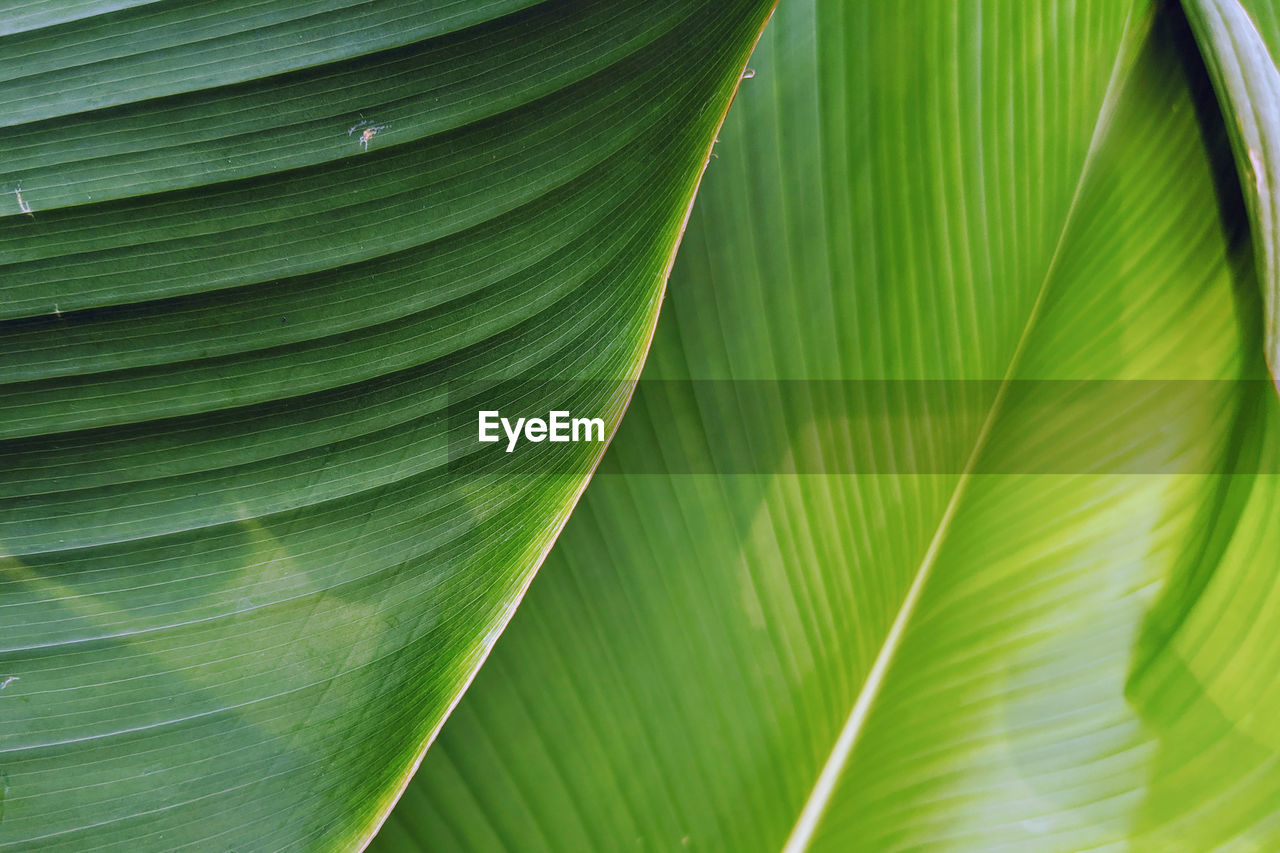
<point x="1240" y="41"/>
<point x="1206" y="680"/>
<point x="249" y="254"/>
<point x="964" y="649"/>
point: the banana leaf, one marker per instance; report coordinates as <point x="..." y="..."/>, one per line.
<point x="1039" y="612"/>
<point x="254" y="260"/>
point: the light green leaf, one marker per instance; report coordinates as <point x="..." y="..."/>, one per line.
<point x="249" y="254"/>
<point x="1208" y="676"/>
<point x="942" y="658"/>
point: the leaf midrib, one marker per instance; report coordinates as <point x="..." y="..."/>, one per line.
<point x="828" y="778"/>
